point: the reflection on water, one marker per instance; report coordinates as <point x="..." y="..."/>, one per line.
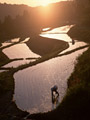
<point x="45" y="29"/>
<point x="54" y="105"/>
<point x="63" y="37"/>
<point x="76" y="45"/>
<point x="5" y="44"/>
<point x="63" y="29"/>
<point x="17" y="63"/>
<point x="33" y="85"/>
<point x="57" y="33"/>
<point x="15" y="40"/>
<point x="19" y="51"/>
<point x="27" y="39"/>
<point x="9" y="42"/>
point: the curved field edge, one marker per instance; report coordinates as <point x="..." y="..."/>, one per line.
<point x="8" y="109"/>
<point x="76" y="103"/>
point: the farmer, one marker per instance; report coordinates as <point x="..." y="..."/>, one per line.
<point x="54" y="93"/>
<point x="73" y="41"/>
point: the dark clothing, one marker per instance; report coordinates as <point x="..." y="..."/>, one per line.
<point x="55" y="94"/>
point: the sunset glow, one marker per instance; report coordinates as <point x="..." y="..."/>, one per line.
<point x="45" y="2"/>
<point x="32" y="3"/>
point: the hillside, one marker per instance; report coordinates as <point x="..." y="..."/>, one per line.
<point x="76" y="103"/>
<point x="12" y="10"/>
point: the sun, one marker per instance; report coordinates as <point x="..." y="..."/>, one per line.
<point x="45" y="2"/>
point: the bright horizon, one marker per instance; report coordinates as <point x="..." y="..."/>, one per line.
<point x="32" y="3"/>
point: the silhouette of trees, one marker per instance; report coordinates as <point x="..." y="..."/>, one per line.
<point x="82" y="8"/>
<point x="82" y="4"/>
<point x="31" y="22"/>
<point x="22" y="26"/>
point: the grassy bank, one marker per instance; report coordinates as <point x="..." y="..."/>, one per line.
<point x="82" y="71"/>
<point x="8" y="109"/>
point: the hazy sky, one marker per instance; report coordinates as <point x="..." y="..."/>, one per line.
<point x="30" y="2"/>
